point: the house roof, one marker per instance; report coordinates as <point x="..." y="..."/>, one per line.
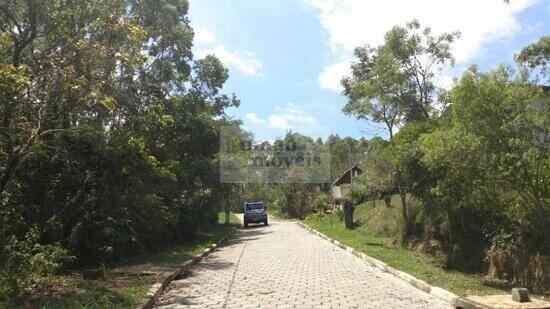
<point x="346" y="176"/>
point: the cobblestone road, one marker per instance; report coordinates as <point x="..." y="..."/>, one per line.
<point x="284" y="266"/>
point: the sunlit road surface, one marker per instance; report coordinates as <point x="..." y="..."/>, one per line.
<point x="284" y="266"/>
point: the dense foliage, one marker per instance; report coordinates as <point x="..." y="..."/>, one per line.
<point x="393" y="84"/>
<point x="489" y="161"/>
<point x="476" y="160"/>
<point x="108" y="134"/>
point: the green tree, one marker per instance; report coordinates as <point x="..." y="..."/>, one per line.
<point x="378" y="171"/>
<point x="487" y="159"/>
<point x="536" y="59"/>
<point x="109" y="128"/>
<point x="344" y="152"/>
<point x="394" y="83"/>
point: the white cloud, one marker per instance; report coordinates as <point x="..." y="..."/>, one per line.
<point x="254" y="119"/>
<point x="203" y="36"/>
<point x="332" y="75"/>
<point x="351" y="23"/>
<point x="287" y="118"/>
<point x="278" y="122"/>
<point x="298" y="118"/>
<point x="245" y="62"/>
<point x="444" y="81"/>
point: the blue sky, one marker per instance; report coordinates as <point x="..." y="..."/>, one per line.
<point x="286" y="57"/>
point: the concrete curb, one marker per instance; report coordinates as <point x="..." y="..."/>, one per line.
<point x="156" y="290"/>
<point x="435" y="291"/>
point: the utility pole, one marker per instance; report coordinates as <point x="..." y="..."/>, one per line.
<point x="350" y="167"/>
<point x="348" y="204"/>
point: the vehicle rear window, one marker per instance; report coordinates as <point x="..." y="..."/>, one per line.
<point x="254" y="206"/>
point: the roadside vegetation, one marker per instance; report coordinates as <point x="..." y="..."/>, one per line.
<point x="467" y="169"/>
<point x="375" y="234"/>
<point x="125" y="283"/>
<point x="110" y="135"/>
<point x="109" y="138"/>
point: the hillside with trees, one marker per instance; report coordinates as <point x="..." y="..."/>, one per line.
<point x="470" y="165"/>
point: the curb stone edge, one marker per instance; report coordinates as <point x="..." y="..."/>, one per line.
<point x="422" y="285"/>
<point x="156" y="290"/>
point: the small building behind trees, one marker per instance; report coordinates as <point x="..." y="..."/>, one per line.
<point x="339" y="192"/>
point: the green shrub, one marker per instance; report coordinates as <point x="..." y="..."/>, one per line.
<point x="322" y="202"/>
<point x="24" y="261"/>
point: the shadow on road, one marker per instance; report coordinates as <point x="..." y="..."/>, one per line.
<point x="212" y="262"/>
<point x="248" y="234"/>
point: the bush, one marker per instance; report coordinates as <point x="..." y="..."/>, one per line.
<point x="25" y="261"/>
<point x="322" y="202"/>
<point x="384" y="221"/>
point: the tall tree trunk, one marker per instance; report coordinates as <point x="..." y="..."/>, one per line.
<point x="455" y="256"/>
<point x="404" y="213"/>
<point x="348" y="214"/>
<point x="387" y="199"/>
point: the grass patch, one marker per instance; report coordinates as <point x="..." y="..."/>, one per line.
<point x="276" y="213"/>
<point x="126" y="283"/>
<point x="375" y="237"/>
